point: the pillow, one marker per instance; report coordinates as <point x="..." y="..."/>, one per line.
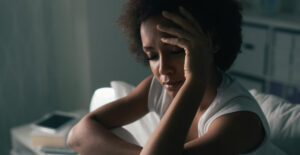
<point x="102" y="96"/>
<point x="105" y="95"/>
<point x="284" y="121"/>
<point x="121" y="88"/>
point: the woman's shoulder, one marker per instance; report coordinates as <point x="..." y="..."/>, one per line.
<point x="230" y="88"/>
<point x="231" y="97"/>
<point x="235" y="109"/>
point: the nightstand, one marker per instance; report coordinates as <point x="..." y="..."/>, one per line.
<point x="21" y="140"/>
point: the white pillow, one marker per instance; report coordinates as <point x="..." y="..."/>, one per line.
<point x="284" y="121"/>
<point x="105" y="95"/>
<point x="102" y="96"/>
<point x="121" y="88"/>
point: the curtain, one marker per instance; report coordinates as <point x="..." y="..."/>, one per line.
<point x="44" y="61"/>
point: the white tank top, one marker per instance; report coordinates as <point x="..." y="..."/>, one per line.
<point x="231" y="97"/>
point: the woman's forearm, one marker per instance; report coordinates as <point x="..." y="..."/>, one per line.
<point x="90" y="137"/>
<point x="170" y="135"/>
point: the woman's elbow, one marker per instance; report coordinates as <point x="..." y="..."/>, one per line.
<point x="73" y="140"/>
<point x="75" y="135"/>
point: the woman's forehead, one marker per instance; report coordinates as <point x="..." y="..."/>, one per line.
<point x="149" y="26"/>
<point x="159" y="19"/>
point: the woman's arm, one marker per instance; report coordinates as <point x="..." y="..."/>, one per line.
<point x="89" y="137"/>
<point x="92" y="134"/>
<point x="230" y="134"/>
<point x="170" y="135"/>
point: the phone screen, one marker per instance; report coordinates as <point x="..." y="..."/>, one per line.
<point x="55" y="121"/>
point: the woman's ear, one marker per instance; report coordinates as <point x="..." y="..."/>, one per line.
<point x="216" y="49"/>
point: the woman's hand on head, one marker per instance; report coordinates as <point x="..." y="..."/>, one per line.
<point x="196" y="43"/>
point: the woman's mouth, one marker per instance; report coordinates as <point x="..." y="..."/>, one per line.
<point x="172" y="85"/>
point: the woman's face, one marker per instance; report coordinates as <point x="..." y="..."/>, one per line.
<point x="166" y="61"/>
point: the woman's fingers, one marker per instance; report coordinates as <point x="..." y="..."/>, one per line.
<point x="186" y="25"/>
<point x="190" y="17"/>
<point x="182" y="43"/>
<point x="174" y="31"/>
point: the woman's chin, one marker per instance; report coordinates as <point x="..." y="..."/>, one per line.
<point x="172" y="93"/>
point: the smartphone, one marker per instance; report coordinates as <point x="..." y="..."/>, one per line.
<point x="55" y="121"/>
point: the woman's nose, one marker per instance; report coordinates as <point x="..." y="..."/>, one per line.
<point x="165" y="66"/>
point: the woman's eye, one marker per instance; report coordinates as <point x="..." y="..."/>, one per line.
<point x="178" y="52"/>
<point x="153" y="57"/>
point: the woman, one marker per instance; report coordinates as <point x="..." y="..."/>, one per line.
<point x="188" y="44"/>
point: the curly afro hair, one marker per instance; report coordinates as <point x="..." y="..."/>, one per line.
<point x="221" y="18"/>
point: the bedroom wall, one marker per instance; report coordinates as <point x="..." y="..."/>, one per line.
<point x="54" y="54"/>
<point x="109" y="54"/>
<point x="44" y="61"/>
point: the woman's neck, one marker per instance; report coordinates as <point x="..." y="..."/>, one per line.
<point x="211" y="90"/>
